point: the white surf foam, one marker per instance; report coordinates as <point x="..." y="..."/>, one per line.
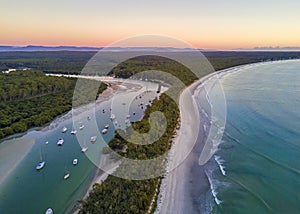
<point x="213" y="186"/>
<point x="220" y="163"/>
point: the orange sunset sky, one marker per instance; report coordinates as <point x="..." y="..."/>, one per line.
<point x="214" y="24"/>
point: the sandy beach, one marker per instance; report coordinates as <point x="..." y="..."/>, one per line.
<point x="187" y="180"/>
<point x="185" y="189"/>
<point x="188" y="177"/>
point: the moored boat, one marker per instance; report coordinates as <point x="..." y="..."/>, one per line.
<point x="60" y="142"/>
<point x="66" y="176"/>
<point x="40" y="165"/>
<point x="84" y="149"/>
<point x="75" y="162"/>
<point x="93" y="139"/>
<point x="81" y="127"/>
<point x="73" y="132"/>
<point x="64" y="130"/>
<point x="49" y="211"/>
<point x="112" y="117"/>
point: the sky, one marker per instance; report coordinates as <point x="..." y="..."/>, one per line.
<point x="207" y="24"/>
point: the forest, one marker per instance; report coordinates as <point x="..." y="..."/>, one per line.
<point x="72" y="62"/>
<point x="134" y="196"/>
<point x="32" y="99"/>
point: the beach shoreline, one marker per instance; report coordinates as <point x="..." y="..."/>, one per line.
<point x="188" y="180"/>
<point x="180" y="187"/>
<point x="177" y="185"/>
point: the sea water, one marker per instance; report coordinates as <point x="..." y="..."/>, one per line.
<point x="256" y="167"/>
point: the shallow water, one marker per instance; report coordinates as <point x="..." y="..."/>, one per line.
<point x="256" y="168"/>
<point x="26" y="190"/>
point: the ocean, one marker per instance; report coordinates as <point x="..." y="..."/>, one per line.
<point x="255" y="167"/>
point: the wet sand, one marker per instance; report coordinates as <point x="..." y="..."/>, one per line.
<point x="12" y="152"/>
<point x="188" y="180"/>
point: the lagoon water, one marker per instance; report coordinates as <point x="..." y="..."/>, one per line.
<point x="26" y="190"/>
<point x="256" y="168"/>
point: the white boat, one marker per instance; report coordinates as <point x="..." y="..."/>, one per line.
<point x="93" y="139"/>
<point x="64" y="129"/>
<point x="127" y="116"/>
<point x="84" y="149"/>
<point x="104" y="131"/>
<point x="75" y="162"/>
<point x="81" y="127"/>
<point x="49" y="211"/>
<point x="60" y="142"/>
<point x="73" y="131"/>
<point x="66" y="176"/>
<point x="112" y="116"/>
<point x="106" y="126"/>
<point x="40" y="165"/>
<point x="46" y="142"/>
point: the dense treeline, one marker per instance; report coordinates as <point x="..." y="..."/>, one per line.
<point x="117" y="195"/>
<point x="32" y="99"/>
<point x="147" y="63"/>
<point x="73" y="61"/>
<point x="19" y="116"/>
<point x="20" y="85"/>
<point x="48" y="61"/>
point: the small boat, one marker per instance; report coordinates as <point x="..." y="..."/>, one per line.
<point x="112" y="117"/>
<point x="103" y="110"/>
<point x="40" y="165"/>
<point x="49" y="211"/>
<point x="75" y="162"/>
<point x="89" y="118"/>
<point x="93" y="139"/>
<point x="60" y="142"/>
<point x="64" y="130"/>
<point x="104" y="131"/>
<point x="46" y="142"/>
<point x="81" y="127"/>
<point x="84" y="149"/>
<point x="73" y="132"/>
<point x="106" y="126"/>
<point x="66" y="176"/>
<point x="128" y="116"/>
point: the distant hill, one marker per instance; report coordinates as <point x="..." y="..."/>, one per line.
<point x="45" y="48"/>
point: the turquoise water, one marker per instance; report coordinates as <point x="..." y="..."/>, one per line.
<point x="27" y="190"/>
<point x="256" y="168"/>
